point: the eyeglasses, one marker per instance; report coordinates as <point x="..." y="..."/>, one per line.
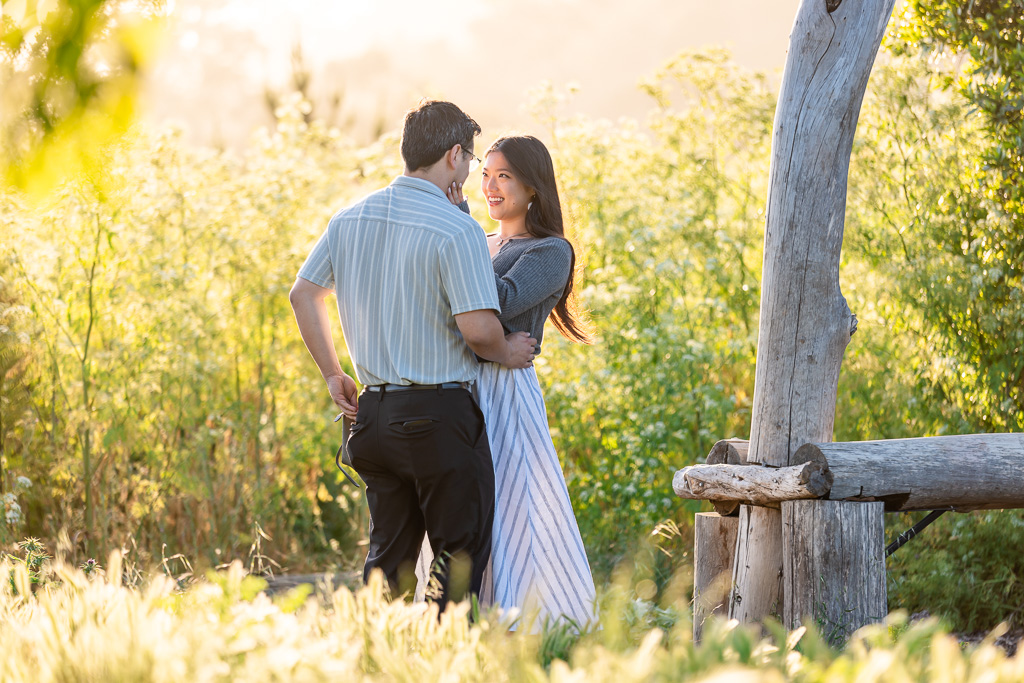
<point x="474" y="162"/>
<point x="342" y="456"/>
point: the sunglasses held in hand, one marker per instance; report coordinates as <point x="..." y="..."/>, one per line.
<point x="341" y="456"/>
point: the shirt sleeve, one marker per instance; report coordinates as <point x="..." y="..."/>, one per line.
<point x="466" y="273"/>
<point x="318" y="267"/>
<point x="541" y="272"/>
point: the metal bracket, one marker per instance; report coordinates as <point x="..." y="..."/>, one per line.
<point x="902" y="539"/>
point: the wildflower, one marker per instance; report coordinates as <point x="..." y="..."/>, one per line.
<point x="32" y="545"/>
<point x="22" y="484"/>
<point x="12" y="511"/>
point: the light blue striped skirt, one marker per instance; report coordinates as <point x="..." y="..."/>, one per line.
<point x="538" y="563"/>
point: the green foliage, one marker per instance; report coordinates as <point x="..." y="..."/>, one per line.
<point x="671" y="233"/>
<point x="12" y="517"/>
<point x="172" y="401"/>
<point x="69" y="72"/>
<point x="911" y="159"/>
<point x="965" y="568"/>
<point x="32" y="555"/>
<point x="953" y="205"/>
<point x="15" y="388"/>
<point x="934" y="250"/>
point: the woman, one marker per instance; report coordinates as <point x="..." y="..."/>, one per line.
<point x="538" y="562"/>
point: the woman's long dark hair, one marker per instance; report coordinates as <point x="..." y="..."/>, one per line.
<point x="531" y="163"/>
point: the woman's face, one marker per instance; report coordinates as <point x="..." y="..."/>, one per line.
<point x="507" y="198"/>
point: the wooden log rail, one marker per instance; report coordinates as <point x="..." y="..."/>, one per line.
<point x="967" y="472"/>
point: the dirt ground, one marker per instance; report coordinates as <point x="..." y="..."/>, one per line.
<point x="1009" y="641"/>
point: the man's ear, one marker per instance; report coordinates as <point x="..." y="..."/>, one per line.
<point x="453" y="155"/>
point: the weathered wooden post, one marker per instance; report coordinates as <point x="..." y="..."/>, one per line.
<point x="713" y="550"/>
<point x="805" y="323"/>
<point x="833" y="565"/>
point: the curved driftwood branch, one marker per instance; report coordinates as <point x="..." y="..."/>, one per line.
<point x="752" y="484"/>
<point x="728" y="452"/>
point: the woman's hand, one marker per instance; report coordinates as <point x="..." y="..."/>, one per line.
<point x="455" y="195"/>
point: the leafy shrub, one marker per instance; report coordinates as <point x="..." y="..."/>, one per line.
<point x="965" y="568"/>
<point x="670" y="230"/>
<point x="171" y="402"/>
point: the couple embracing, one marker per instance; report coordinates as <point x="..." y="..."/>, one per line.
<point x="442" y="324"/>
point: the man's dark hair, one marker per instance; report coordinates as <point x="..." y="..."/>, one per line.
<point x="433" y="128"/>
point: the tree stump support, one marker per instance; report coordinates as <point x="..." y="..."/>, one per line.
<point x="833" y="566"/>
<point x="713" y="549"/>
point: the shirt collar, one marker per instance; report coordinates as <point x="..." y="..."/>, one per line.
<point x="418" y="184"/>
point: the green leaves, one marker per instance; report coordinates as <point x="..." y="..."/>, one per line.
<point x="670" y="227"/>
<point x="166" y="354"/>
<point x="68" y="71"/>
<point x="945" y="225"/>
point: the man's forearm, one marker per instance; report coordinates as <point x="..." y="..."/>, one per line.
<point x="310" y="307"/>
<point x="497" y="350"/>
<point x="314" y="326"/>
<point x="486" y="338"/>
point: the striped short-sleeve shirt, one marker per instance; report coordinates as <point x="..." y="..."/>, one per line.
<point x="403" y="261"/>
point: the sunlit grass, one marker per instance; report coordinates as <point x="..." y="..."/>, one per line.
<point x="226" y="628"/>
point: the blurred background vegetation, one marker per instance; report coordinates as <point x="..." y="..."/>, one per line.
<point x="155" y="395"/>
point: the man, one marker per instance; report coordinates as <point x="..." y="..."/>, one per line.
<point x="416" y="298"/>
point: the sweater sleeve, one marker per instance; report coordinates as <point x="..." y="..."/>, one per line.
<point x="541" y="272"/>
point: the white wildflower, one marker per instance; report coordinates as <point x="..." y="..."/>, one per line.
<point x="12" y="511"/>
<point x="22" y="484"/>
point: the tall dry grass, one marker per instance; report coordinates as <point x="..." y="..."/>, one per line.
<point x="76" y="628"/>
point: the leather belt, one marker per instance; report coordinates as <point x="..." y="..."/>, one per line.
<point x="390" y="388"/>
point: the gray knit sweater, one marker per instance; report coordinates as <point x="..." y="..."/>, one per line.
<point x="531" y="273"/>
